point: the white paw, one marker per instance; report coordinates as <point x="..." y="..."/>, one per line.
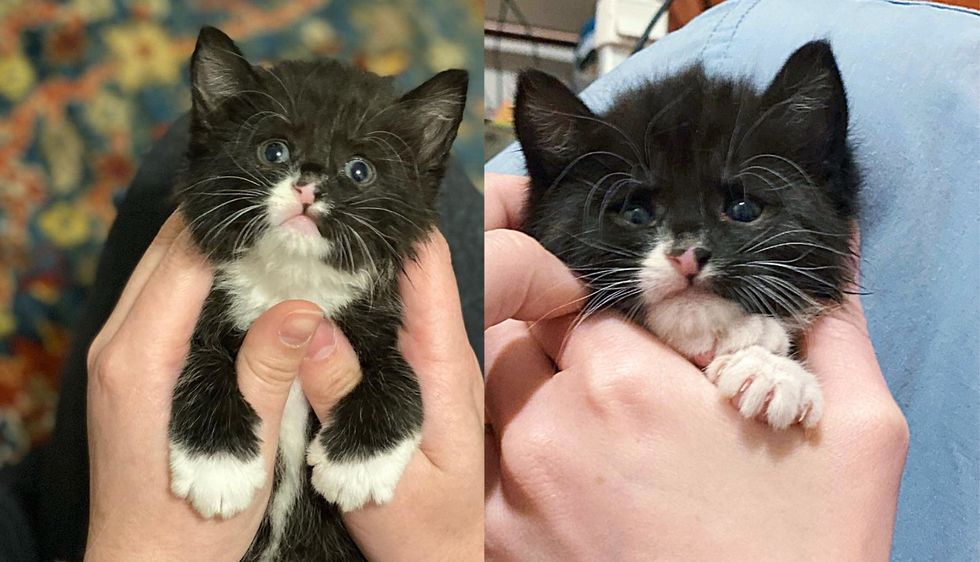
<point x="771" y="386"/>
<point x="351" y="484"/>
<point x="216" y="485"/>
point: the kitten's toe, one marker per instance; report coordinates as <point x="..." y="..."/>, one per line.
<point x="812" y="409"/>
<point x="352" y="483"/>
<point x="775" y="387"/>
<point x="217" y="485"/>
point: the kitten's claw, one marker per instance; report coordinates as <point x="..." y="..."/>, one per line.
<point x="769" y="386"/>
<point x="216" y="485"/>
<point x="351" y="484"/>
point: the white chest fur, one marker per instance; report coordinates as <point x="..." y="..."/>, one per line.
<point x="696" y="323"/>
<point x="269" y="274"/>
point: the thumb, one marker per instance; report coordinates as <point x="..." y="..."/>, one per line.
<point x="270" y="359"/>
<point x="330" y="369"/>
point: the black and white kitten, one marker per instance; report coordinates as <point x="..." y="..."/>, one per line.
<point x="716" y="215"/>
<point x="306" y="180"/>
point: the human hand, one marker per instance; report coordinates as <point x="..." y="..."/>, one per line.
<point x="437" y="511"/>
<point x="609" y="445"/>
<point x="133" y="364"/>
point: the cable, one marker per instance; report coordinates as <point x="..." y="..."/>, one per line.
<point x="646" y="33"/>
<point x="535" y="54"/>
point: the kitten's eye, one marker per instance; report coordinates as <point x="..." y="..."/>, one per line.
<point x="743" y="210"/>
<point x="636" y="214"/>
<point x="359" y="171"/>
<point x="274" y="152"/>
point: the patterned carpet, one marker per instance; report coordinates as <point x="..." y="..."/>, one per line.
<point x="85" y="88"/>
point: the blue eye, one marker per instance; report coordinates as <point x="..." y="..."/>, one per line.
<point x="636" y="214"/>
<point x="274" y="152"/>
<point x="359" y="171"/>
<point x="743" y="210"/>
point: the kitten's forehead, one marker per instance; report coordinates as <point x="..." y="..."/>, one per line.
<point x="326" y="87"/>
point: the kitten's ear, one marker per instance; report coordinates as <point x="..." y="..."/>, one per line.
<point x="808" y="99"/>
<point x="218" y="71"/>
<point x="436" y="108"/>
<point x="551" y="124"/>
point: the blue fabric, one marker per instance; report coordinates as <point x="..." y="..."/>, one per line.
<point x="912" y="72"/>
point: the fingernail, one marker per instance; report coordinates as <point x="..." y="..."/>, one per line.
<point x="324" y="341"/>
<point x="298" y="327"/>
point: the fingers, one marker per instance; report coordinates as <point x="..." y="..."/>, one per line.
<point x="144" y="269"/>
<point x="433" y="314"/>
<point x="178" y="285"/>
<point x="839" y="351"/>
<point x="434" y="343"/>
<point x="330" y="369"/>
<point x="504" y="201"/>
<point x="526" y="282"/>
<point x="517" y="367"/>
<point x="270" y="359"/>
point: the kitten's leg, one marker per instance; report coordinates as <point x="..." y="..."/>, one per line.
<point x="752" y="361"/>
<point x="363" y="448"/>
<point x="215" y="462"/>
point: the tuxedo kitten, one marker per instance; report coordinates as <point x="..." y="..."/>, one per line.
<point x="716" y="215"/>
<point x="306" y="180"/>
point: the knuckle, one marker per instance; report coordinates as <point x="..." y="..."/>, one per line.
<point x="267" y="366"/>
<point x="881" y="430"/>
<point x="890" y="428"/>
<point x="107" y="363"/>
<point x="620" y="388"/>
<point x="530" y="460"/>
<point x="510" y="240"/>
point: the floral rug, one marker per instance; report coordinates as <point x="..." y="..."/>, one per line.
<point x="86" y="86"/>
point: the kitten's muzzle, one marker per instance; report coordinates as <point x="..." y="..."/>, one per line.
<point x="688" y="262"/>
<point x="306" y="192"/>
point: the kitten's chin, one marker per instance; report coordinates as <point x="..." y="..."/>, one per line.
<point x="679" y="290"/>
<point x="298" y="237"/>
<point x="302" y="225"/>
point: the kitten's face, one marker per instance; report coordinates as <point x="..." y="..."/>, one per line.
<point x="323" y="161"/>
<point x="696" y="185"/>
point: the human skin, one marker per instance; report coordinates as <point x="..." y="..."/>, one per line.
<point x="608" y="445"/>
<point x="136" y="358"/>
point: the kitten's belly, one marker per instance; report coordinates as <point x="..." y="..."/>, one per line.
<point x="292" y="453"/>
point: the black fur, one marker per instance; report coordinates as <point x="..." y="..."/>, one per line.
<point x="328" y="113"/>
<point x="685" y="147"/>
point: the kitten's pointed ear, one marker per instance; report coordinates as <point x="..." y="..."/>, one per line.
<point x="808" y="98"/>
<point x="436" y="107"/>
<point x="551" y="124"/>
<point x="218" y="71"/>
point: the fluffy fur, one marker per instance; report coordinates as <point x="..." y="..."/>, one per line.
<point x="715" y="214"/>
<point x="306" y="180"/>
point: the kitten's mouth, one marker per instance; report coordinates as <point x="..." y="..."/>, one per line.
<point x="302" y="224"/>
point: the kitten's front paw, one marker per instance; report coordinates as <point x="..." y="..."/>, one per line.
<point x="775" y="386"/>
<point x="352" y="483"/>
<point x="216" y="485"/>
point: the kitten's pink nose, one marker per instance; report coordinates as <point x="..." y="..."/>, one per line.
<point x="305" y="192"/>
<point x="689" y="262"/>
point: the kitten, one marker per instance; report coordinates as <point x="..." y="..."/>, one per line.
<point x="716" y="215"/>
<point x="306" y="180"/>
